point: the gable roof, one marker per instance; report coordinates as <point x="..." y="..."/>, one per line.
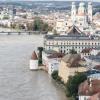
<point x="34" y="56"/>
<point x="74" y="31"/>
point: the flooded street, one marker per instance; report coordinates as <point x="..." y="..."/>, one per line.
<point x="17" y="82"/>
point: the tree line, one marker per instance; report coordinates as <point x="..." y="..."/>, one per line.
<point x="36" y="25"/>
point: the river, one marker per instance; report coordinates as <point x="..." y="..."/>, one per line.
<point x="17" y="82"/>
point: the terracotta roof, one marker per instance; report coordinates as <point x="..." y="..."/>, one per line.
<point x="72" y="59"/>
<point x="95" y="96"/>
<point x="34" y="56"/>
<point x="87" y="50"/>
<point x="86" y="90"/>
<point x="56" y="55"/>
<point x="97" y="67"/>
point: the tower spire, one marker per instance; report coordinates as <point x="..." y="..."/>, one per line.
<point x="73" y="12"/>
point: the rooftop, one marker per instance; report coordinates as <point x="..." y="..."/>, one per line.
<point x="72" y="59"/>
<point x="34" y="56"/>
<point x="73" y="34"/>
<point x="88" y="90"/>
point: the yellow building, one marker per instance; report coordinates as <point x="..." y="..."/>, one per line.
<point x="69" y="65"/>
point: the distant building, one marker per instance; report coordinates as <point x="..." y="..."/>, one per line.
<point x="81" y="17"/>
<point x="75" y="39"/>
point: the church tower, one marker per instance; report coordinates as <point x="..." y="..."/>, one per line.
<point x="73" y="12"/>
<point x="82" y="16"/>
<point x="90" y="11"/>
<point x="81" y="9"/>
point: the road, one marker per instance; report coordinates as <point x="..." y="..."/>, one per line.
<point x="17" y="82"/>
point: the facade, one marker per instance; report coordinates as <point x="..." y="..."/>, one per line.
<point x="51" y="60"/>
<point x="75" y="39"/>
<point x="69" y="65"/>
<point x="34" y="62"/>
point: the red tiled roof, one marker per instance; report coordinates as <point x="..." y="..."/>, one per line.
<point x="97" y="67"/>
<point x="56" y="55"/>
<point x="34" y="56"/>
<point x="85" y="89"/>
<point x="95" y="96"/>
<point x="87" y="50"/>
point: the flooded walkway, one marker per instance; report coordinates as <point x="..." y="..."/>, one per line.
<point x="17" y="82"/>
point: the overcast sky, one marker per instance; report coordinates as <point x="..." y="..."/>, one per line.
<point x="52" y="0"/>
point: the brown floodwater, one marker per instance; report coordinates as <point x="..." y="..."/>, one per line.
<point x="17" y="82"/>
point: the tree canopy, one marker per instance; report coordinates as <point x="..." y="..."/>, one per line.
<point x="73" y="51"/>
<point x="73" y="84"/>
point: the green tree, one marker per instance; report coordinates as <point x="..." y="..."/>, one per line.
<point x="73" y="84"/>
<point x="38" y="24"/>
<point x="55" y="75"/>
<point x="6" y="17"/>
<point x="13" y="25"/>
<point x="73" y="51"/>
<point x="40" y="55"/>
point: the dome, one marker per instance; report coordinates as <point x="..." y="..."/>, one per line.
<point x="81" y="4"/>
<point x="34" y="56"/>
<point x="89" y="3"/>
<point x="73" y="3"/>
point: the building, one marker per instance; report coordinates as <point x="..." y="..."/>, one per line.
<point x="86" y="52"/>
<point x="75" y="39"/>
<point x="69" y="65"/>
<point x="92" y="61"/>
<point x="34" y="61"/>
<point x="51" y="60"/>
<point x="81" y="17"/>
<point x="89" y="89"/>
<point x="95" y="51"/>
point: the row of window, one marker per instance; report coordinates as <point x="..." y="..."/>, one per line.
<point x="93" y="43"/>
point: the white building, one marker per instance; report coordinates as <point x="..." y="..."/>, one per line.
<point x="80" y="17"/>
<point x="75" y="39"/>
<point x="51" y="60"/>
<point x="34" y="62"/>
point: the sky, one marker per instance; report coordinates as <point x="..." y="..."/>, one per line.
<point x="52" y="0"/>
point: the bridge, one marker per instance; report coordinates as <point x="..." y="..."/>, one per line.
<point x="20" y="32"/>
